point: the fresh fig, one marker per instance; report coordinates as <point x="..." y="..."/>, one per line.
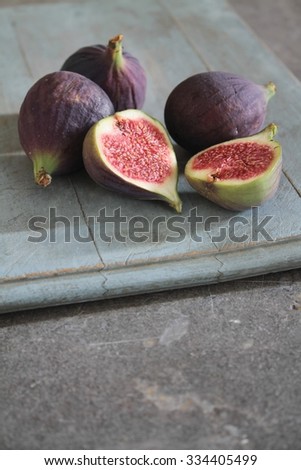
<point x="213" y="107"/>
<point x="130" y="152"/>
<point x="240" y="173"/>
<point x="54" y="118"/>
<point x="116" y="71"/>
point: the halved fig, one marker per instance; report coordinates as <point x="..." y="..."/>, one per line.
<point x="130" y="152"/>
<point x="240" y="173"/>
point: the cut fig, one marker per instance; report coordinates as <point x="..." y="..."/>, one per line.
<point x="213" y="107"/>
<point x="54" y="118"/>
<point x="240" y="173"/>
<point x="115" y="70"/>
<point x="130" y="152"/>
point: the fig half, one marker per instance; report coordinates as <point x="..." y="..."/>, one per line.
<point x="240" y="173"/>
<point x="115" y="70"/>
<point x="213" y="107"/>
<point x="54" y="118"/>
<point x="130" y="152"/>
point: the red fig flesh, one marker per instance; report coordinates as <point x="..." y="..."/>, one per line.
<point x="238" y="174"/>
<point x="116" y="71"/>
<point x="131" y="153"/>
<point x="213" y="107"/>
<point x="54" y="118"/>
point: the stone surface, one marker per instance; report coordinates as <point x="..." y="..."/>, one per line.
<point x="214" y="367"/>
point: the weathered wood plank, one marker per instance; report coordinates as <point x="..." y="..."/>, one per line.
<point x="9" y="134"/>
<point x="148" y="278"/>
<point x="32" y="238"/>
<point x="173" y="41"/>
<point x="15" y="75"/>
<point x="163" y="241"/>
<point x="26" y="217"/>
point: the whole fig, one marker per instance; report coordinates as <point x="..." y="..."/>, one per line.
<point x="116" y="71"/>
<point x="240" y="173"/>
<point x="213" y="107"/>
<point x="54" y="118"/>
<point x="130" y="152"/>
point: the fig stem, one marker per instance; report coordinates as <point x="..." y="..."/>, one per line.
<point x="270" y="89"/>
<point x="115" y="50"/>
<point x="44" y="165"/>
<point x="42" y="178"/>
<point x="271" y="130"/>
<point x="176" y="204"/>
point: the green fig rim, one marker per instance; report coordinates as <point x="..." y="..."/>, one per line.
<point x="237" y="194"/>
<point x="44" y="165"/>
<point x="168" y="192"/>
<point x="265" y="136"/>
<point x="115" y="49"/>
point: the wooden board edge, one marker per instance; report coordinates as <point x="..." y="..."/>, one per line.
<point x="133" y="280"/>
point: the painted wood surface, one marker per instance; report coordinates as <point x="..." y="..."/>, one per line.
<point x="172" y="40"/>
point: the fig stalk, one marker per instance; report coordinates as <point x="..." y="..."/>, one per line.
<point x="114" y="51"/>
<point x="270" y="90"/>
<point x="54" y="118"/>
<point x="44" y="165"/>
<point x="42" y="178"/>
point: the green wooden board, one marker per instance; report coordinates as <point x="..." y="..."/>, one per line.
<point x="173" y="40"/>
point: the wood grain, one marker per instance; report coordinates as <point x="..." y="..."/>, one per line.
<point x="173" y="41"/>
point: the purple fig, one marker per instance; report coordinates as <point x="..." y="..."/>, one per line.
<point x="213" y="107"/>
<point x="54" y="118"/>
<point x="116" y="71"/>
<point x="240" y="173"/>
<point x="130" y="152"/>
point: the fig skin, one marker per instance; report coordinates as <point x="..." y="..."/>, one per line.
<point x="106" y="175"/>
<point x="239" y="194"/>
<point x="213" y="107"/>
<point x="115" y="70"/>
<point x="54" y="118"/>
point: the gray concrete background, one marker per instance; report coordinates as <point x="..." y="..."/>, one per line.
<point x="214" y="367"/>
